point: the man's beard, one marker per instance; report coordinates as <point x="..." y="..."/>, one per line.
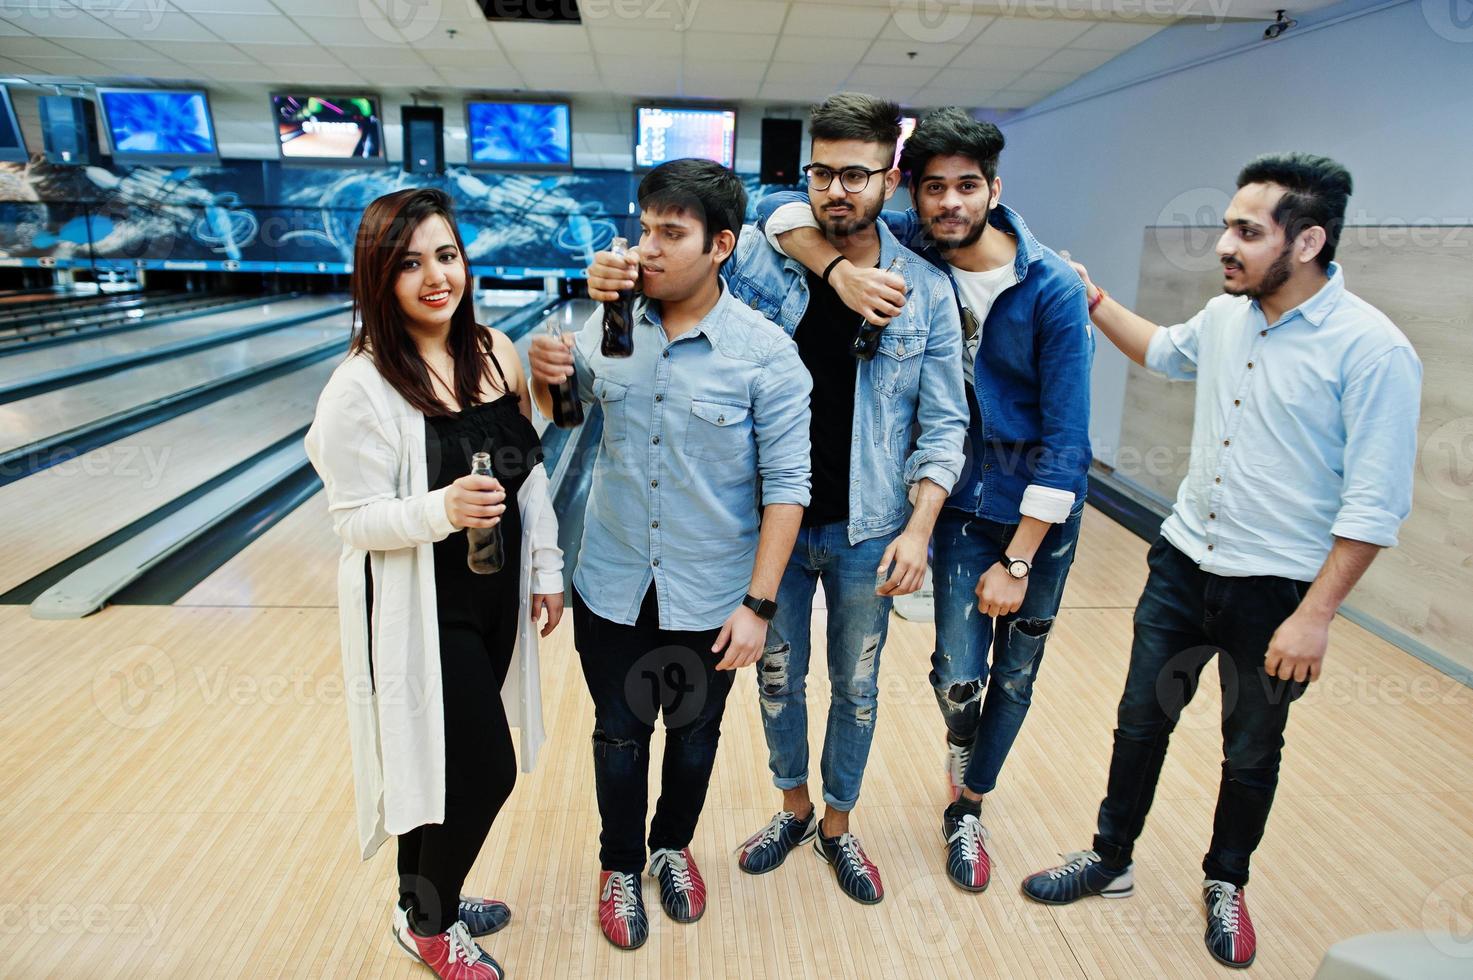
<point x="973" y="235"/>
<point x="861" y="218"/>
<point x="1271" y="281"/>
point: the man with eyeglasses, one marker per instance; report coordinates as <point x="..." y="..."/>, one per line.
<point x="887" y="433"/>
<point x="1006" y="538"/>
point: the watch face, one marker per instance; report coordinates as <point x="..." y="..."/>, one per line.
<point x="1018" y="568"/>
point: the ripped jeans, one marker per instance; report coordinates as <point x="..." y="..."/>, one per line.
<point x="635" y="674"/>
<point x="857" y="623"/>
<point x="989" y="715"/>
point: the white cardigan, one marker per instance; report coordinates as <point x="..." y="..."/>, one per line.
<point x="368" y="445"/>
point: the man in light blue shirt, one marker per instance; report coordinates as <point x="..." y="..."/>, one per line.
<point x="698" y="493"/>
<point x="1301" y="471"/>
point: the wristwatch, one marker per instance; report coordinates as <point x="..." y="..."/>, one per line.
<point x="1017" y="567"/>
<point x="764" y="608"/>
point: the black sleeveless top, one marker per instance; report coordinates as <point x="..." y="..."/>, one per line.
<point x="497" y="427"/>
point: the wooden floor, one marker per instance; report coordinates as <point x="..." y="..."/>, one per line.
<point x="175" y="801"/>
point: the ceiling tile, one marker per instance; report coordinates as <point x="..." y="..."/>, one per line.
<point x="29" y="47"/>
<point x="253" y="28"/>
<point x="762" y="16"/>
<point x="376" y="58"/>
<point x="244" y="73"/>
<point x="899" y="53"/>
<point x="465" y="37"/>
<point x="721" y="89"/>
<point x="1115" y="37"/>
<point x="305" y="54"/>
<point x="951" y="23"/>
<point x="542" y="38"/>
<point x="164" y="27"/>
<point x="412" y="76"/>
<point x="746" y="47"/>
<point x="52" y="18"/>
<point x="1042" y="82"/>
<point x="200" y="51"/>
<point x="808" y="74"/>
<point x="1026" y="32"/>
<point x="736" y="72"/>
<point x="834" y="20"/>
<point x="631" y="42"/>
<point x="877" y="78"/>
<point x="368" y="32"/>
<point x="1013" y="100"/>
<point x="109" y="49"/>
<point x="992" y="57"/>
<point x="229" y="6"/>
<point x="982" y="79"/>
<point x="320" y="74"/>
<point x="805" y="94"/>
<point x="1076" y="61"/>
<point x="834" y="51"/>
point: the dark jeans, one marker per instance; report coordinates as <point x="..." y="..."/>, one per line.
<point x="1184" y="616"/>
<point x="635" y="673"/>
<point x="973" y="653"/>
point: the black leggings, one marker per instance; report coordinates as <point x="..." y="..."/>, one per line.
<point x="480" y="771"/>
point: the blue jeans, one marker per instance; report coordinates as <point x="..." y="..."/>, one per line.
<point x="1186" y="616"/>
<point x="858" y="621"/>
<point x="963" y="548"/>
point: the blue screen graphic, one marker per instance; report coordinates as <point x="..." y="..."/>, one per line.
<point x="160" y="123"/>
<point x="672" y="134"/>
<point x="519" y="134"/>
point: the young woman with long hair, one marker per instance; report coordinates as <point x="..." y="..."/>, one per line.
<point x="440" y="660"/>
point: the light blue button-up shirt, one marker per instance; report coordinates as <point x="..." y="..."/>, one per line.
<point x="694" y="429"/>
<point x="1305" y="430"/>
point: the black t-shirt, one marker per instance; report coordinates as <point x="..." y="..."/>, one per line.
<point x="824" y="337"/>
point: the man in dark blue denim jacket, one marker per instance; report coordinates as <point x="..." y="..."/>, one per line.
<point x="1006" y="539"/>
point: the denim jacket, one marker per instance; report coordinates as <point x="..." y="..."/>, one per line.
<point x="910" y="413"/>
<point x="1029" y="405"/>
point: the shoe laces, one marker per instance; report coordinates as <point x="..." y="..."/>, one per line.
<point x="676" y="863"/>
<point x="970" y="834"/>
<point x="1225" y="905"/>
<point x="768" y="835"/>
<point x="462" y="946"/>
<point x="620" y="888"/>
<point x="1074" y="862"/>
<point x="853" y="854"/>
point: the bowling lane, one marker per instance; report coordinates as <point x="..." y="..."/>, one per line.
<point x="61" y="511"/>
<point x="295" y="562"/>
<point x="26" y="365"/>
<point x="43" y="416"/>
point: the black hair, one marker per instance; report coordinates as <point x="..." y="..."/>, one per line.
<point x="856" y="116"/>
<point x="1316" y="192"/>
<point x="702" y="188"/>
<point x="951" y="132"/>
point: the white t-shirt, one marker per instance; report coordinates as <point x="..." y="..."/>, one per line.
<point x="978" y="291"/>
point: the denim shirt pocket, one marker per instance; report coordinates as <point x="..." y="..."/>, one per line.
<point x="612" y="396"/>
<point x="896" y="368"/>
<point x="719" y="432"/>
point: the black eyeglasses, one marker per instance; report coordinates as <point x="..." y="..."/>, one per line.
<point x="853" y="179"/>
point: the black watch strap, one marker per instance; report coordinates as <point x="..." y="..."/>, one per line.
<point x="764" y="608"/>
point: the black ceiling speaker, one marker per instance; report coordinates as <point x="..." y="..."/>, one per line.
<point x="424" y="138"/>
<point x="782" y="148"/>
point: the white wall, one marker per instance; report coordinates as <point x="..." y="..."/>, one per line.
<point x="1385" y="88"/>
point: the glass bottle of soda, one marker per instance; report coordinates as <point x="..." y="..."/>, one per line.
<point x="485" y="554"/>
<point x="867" y="340"/>
<point x="567" y="407"/>
<point x="618" y="340"/>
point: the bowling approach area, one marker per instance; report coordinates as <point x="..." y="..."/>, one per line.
<point x="187" y="214"/>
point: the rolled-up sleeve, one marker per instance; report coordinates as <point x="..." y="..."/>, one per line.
<point x="780" y="417"/>
<point x="1380" y="407"/>
<point x="941" y="412"/>
<point x="1173" y="350"/>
